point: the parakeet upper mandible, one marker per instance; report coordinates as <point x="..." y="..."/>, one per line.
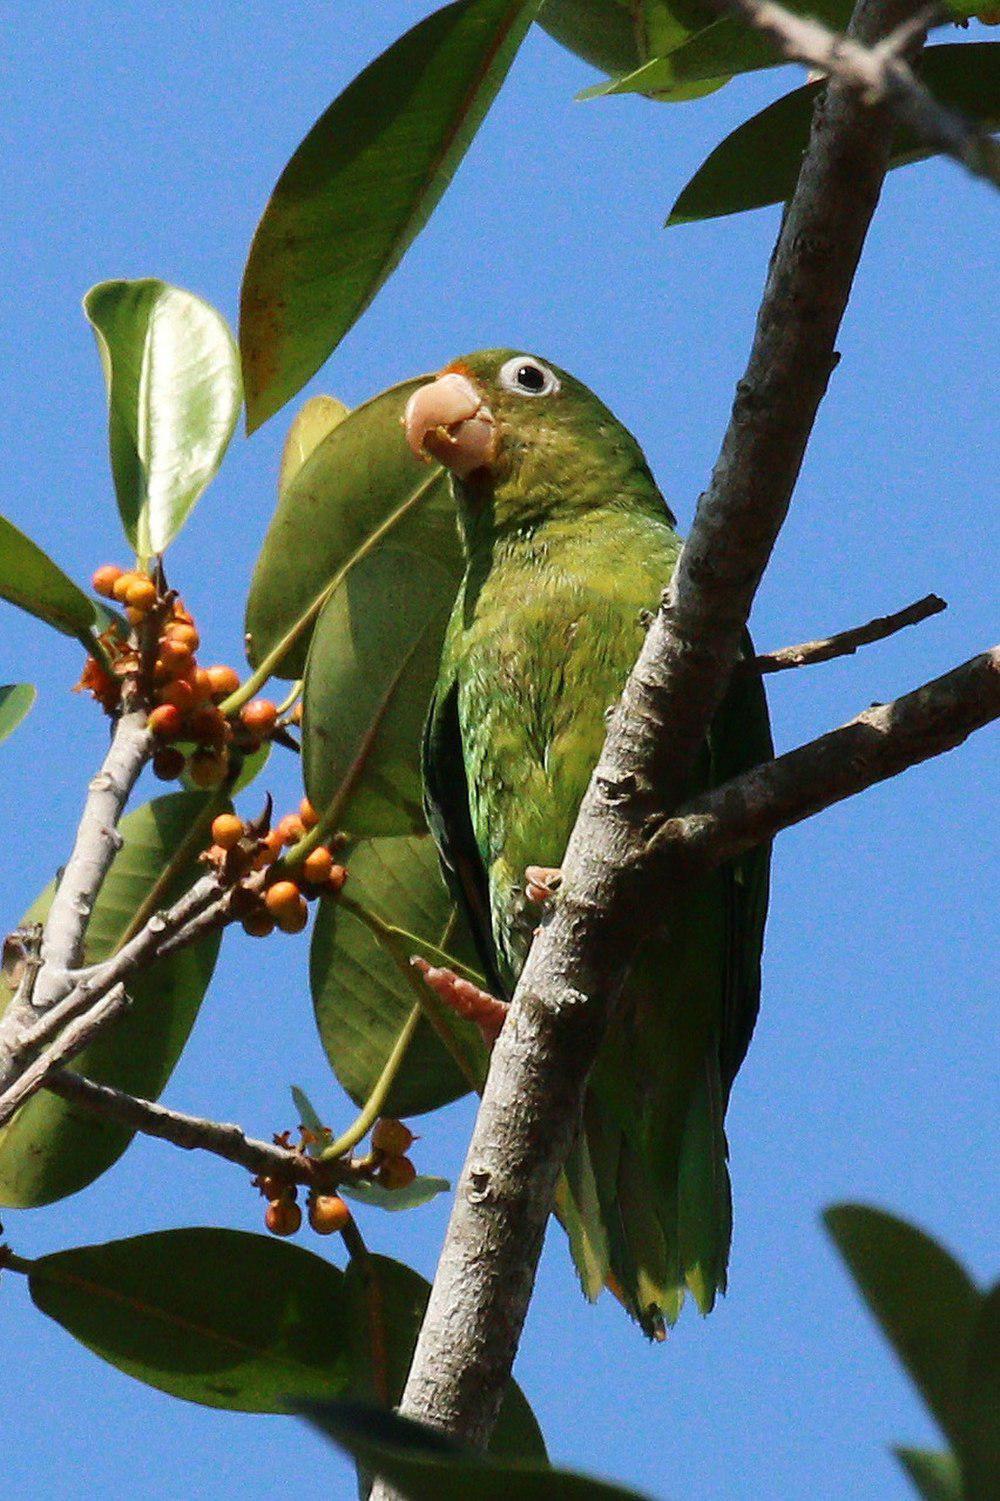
<point x="568" y="542"/>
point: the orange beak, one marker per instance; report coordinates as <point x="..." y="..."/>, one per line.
<point x="449" y="419"/>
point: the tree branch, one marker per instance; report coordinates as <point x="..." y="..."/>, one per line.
<point x="846" y="643"/>
<point x="878" y="75"/>
<point x="532" y="1100"/>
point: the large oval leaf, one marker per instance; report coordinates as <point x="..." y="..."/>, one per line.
<point x="362" y="997"/>
<point x="358" y="490"/>
<point x="173" y="376"/>
<point x="386" y="1302"/>
<point x="30" y="579"/>
<point x="52" y="1148"/>
<point x="370" y="674"/>
<point x="360" y="188"/>
<point x="758" y="164"/>
<point x="602" y="32"/>
<point x="218" y="1317"/>
<point x="921" y="1297"/>
<point x="16" y="700"/>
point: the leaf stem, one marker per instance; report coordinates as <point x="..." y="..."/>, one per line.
<point x="157" y="892"/>
<point x="373" y="1105"/>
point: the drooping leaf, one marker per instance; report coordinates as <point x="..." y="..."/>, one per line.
<point x="979" y="1450"/>
<point x="420" y="1191"/>
<point x="173" y="377"/>
<point x="16" y="700"/>
<point x="386" y="1302"/>
<point x="369" y="677"/>
<point x="215" y="1316"/>
<point x="936" y="1476"/>
<point x="313" y="421"/>
<point x="424" y="1464"/>
<point x="359" y="489"/>
<point x="758" y="164"/>
<point x="361" y="995"/>
<point x="30" y="579"/>
<point x="923" y="1300"/>
<point x="52" y="1148"/>
<point x="361" y="186"/>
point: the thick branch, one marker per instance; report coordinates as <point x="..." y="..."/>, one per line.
<point x="532" y="1101"/>
<point x="878" y="75"/>
<point x="846" y="643"/>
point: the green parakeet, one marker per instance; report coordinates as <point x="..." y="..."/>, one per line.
<point x="568" y="543"/>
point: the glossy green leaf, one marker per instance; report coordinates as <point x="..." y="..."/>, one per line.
<point x="361" y="186"/>
<point x="923" y="1300"/>
<point x="602" y="32"/>
<point x="30" y="580"/>
<point x="758" y="164"/>
<point x="16" y="700"/>
<point x="419" y="1192"/>
<point x="52" y="1148"/>
<point x="362" y="996"/>
<point x="980" y="1446"/>
<point x="369" y="677"/>
<point x="935" y="1476"/>
<point x="386" y="1302"/>
<point x="359" y="489"/>
<point x="173" y="377"/>
<point x="313" y="421"/>
<point x="426" y="1465"/>
<point x="218" y="1317"/>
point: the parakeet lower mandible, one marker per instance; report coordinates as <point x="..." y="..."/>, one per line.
<point x="568" y="542"/>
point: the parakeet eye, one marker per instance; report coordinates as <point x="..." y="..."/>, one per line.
<point x="527" y="377"/>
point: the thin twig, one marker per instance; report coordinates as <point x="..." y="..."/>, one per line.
<point x="878" y="74"/>
<point x="846" y="643"/>
<point x="77" y="1035"/>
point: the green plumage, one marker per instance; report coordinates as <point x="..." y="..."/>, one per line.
<point x="568" y="541"/>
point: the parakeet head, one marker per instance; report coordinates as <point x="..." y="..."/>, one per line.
<point x="523" y="440"/>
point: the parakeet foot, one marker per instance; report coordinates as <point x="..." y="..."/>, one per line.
<point x="467" y="999"/>
<point x="541" y="883"/>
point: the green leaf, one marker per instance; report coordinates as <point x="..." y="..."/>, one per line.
<point x="16" y="700"/>
<point x="52" y="1148"/>
<point x="923" y="1300"/>
<point x="362" y="185"/>
<point x="758" y="164"/>
<point x="359" y="489"/>
<point x="308" y="1115"/>
<point x="313" y="421"/>
<point x="30" y="580"/>
<point x="602" y="32"/>
<point x="420" y="1191"/>
<point x="173" y="378"/>
<point x="218" y="1317"/>
<point x="979" y="1449"/>
<point x="361" y="995"/>
<point x="369" y="677"/>
<point x="386" y="1302"/>
<point x="424" y="1464"/>
<point x="935" y="1476"/>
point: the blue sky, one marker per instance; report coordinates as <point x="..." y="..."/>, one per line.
<point x="143" y="141"/>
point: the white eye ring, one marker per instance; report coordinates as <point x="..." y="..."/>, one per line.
<point x="526" y="376"/>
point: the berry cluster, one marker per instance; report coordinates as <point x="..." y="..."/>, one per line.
<point x="387" y="1164"/>
<point x="391" y="1140"/>
<point x="238" y="848"/>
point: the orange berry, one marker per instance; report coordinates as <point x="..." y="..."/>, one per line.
<point x="104" y="579"/>
<point x="176" y="656"/>
<point x="206" y="768"/>
<point x="328" y="1213"/>
<point x="308" y="814"/>
<point x="178" y="613"/>
<point x="227" y="830"/>
<point x="283" y="897"/>
<point x="222" y="680"/>
<point x="283" y="1216"/>
<point x="290" y="828"/>
<point x="396" y="1172"/>
<point x="168" y="763"/>
<point x="140" y="594"/>
<point x="201" y="685"/>
<point x="208" y="727"/>
<point x="317" y="865"/>
<point x="294" y="921"/>
<point x="177" y="692"/>
<point x="122" y="584"/>
<point x="336" y="879"/>
<point x="258" y="923"/>
<point x="179" y="630"/>
<point x="260" y="715"/>
<point x="166" y="722"/>
<point x="392" y="1137"/>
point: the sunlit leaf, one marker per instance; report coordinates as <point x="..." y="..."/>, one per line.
<point x="52" y="1148"/>
<point x="361" y="186"/>
<point x="419" y="1192"/>
<point x="360" y="489"/>
<point x="30" y="579"/>
<point x="361" y="994"/>
<point x="173" y="378"/>
<point x="16" y="700"/>
<point x="313" y="421"/>
<point x="758" y="164"/>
